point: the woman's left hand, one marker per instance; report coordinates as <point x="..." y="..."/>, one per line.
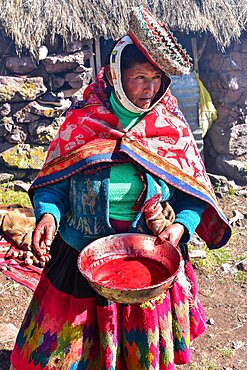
<point x="171" y="233"/>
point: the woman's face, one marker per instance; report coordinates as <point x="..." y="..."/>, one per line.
<point x="141" y="83"/>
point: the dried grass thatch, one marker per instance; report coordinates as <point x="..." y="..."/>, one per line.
<point x="224" y="19"/>
<point x="30" y="22"/>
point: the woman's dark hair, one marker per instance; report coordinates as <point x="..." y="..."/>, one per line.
<point x="130" y="56"/>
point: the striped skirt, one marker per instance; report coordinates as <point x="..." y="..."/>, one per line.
<point x="70" y="327"/>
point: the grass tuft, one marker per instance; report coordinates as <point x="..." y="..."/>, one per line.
<point x="226" y="352"/>
<point x="9" y="196"/>
<point x="240" y="278"/>
<point x="215" y="258"/>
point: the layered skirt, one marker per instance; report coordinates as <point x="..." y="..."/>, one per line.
<point x="70" y="327"/>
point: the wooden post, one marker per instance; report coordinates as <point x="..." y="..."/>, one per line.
<point x="92" y="64"/>
<point x="200" y="50"/>
<point x="197" y="50"/>
<point x="195" y="54"/>
<point x="97" y="54"/>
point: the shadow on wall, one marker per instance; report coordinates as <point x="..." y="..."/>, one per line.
<point x="5" y="359"/>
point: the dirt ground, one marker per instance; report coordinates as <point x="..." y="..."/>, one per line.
<point x="223" y="291"/>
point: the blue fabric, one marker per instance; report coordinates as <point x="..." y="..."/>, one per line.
<point x="188" y="210"/>
<point x="80" y="206"/>
<point x="53" y="199"/>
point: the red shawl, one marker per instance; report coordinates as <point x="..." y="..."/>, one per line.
<point x="161" y="142"/>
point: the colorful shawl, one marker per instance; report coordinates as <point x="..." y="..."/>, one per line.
<point x="162" y="143"/>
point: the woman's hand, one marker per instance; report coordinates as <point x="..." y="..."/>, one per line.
<point x="172" y="234"/>
<point x="43" y="234"/>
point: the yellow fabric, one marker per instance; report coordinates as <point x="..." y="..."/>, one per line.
<point x="207" y="111"/>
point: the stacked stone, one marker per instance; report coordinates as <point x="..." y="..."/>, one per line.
<point x="28" y="120"/>
<point x="27" y="124"/>
<point x="225" y="76"/>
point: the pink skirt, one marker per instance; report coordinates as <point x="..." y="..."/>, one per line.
<point x="69" y="326"/>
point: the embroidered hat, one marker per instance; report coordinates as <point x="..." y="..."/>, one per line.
<point x="157" y="43"/>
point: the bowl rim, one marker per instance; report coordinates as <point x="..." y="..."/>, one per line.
<point x="172" y="277"/>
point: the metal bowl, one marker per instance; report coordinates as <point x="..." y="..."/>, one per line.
<point x="136" y="245"/>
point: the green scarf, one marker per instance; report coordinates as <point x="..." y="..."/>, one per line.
<point x="127" y="118"/>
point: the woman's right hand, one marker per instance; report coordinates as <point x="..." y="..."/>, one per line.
<point x="43" y="234"/>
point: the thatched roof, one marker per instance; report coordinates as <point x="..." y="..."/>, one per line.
<point x="224" y="19"/>
<point x="29" y="22"/>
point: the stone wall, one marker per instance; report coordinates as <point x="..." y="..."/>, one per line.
<point x="225" y="76"/>
<point x="34" y="96"/>
<point x="30" y="115"/>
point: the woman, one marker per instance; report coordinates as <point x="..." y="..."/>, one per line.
<point x="124" y="147"/>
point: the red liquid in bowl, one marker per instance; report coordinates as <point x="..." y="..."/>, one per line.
<point x="130" y="273"/>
